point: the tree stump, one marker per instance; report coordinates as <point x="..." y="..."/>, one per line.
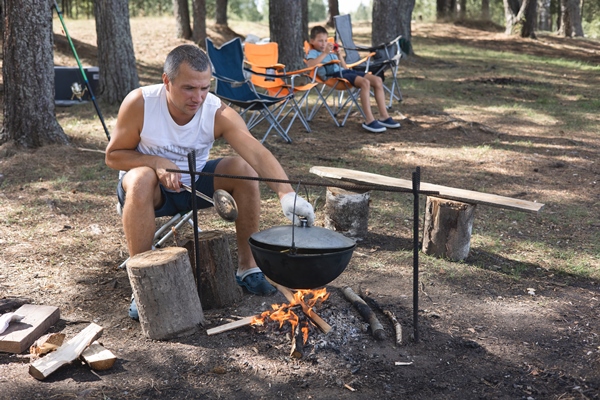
<point x="217" y="285"/>
<point x="447" y="229"/>
<point x="165" y="294"/>
<point x="347" y="212"/>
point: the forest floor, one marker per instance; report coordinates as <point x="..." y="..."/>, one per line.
<point x="518" y="319"/>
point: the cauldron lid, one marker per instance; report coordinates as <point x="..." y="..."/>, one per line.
<point x="304" y="238"/>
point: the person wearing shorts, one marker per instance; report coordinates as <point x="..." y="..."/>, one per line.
<point x="323" y="52"/>
<point x="158" y="126"/>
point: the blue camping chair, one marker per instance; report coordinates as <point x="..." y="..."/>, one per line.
<point x="233" y="87"/>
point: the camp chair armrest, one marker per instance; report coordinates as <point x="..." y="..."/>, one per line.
<point x="228" y="80"/>
<point x="384" y="45"/>
<point x="361" y="61"/>
<point x="272" y="66"/>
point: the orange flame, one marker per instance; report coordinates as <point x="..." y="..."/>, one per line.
<point x="283" y="313"/>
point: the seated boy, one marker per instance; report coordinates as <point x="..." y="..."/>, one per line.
<point x="323" y="52"/>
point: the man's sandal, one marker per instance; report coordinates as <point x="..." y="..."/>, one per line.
<point x="253" y="280"/>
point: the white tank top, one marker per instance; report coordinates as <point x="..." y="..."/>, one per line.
<point x="161" y="136"/>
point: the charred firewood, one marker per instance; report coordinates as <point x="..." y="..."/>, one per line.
<point x="366" y="312"/>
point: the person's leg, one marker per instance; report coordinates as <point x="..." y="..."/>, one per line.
<point x="365" y="97"/>
<point x="377" y="85"/>
<point x="143" y="196"/>
<point x="246" y="194"/>
<point x="247" y="197"/>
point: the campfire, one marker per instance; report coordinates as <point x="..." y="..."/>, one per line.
<point x="298" y="313"/>
<point x="293" y="313"/>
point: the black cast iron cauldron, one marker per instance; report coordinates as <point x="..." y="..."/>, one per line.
<point x="301" y="257"/>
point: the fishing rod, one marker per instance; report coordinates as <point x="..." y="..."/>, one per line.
<point x="83" y="74"/>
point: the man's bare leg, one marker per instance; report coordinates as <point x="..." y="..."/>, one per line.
<point x="142" y="196"/>
<point x="246" y="194"/>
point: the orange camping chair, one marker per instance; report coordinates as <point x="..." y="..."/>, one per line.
<point x="336" y="88"/>
<point x="268" y="74"/>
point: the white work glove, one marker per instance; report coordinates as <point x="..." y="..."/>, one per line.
<point x="303" y="209"/>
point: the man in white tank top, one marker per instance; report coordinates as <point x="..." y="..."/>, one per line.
<point x="158" y="126"/>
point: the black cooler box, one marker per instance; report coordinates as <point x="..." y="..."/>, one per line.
<point x="66" y="80"/>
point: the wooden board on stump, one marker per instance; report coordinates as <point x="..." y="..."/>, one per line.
<point x="347" y="212"/>
<point x="165" y="293"/>
<point x="447" y="229"/>
<point x="218" y="288"/>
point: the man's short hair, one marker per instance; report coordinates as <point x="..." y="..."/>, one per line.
<point x="317" y="30"/>
<point x="193" y="55"/>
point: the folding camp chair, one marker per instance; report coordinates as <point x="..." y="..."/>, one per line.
<point x="233" y="87"/>
<point x="268" y="74"/>
<point x="387" y="56"/>
<point x="335" y="88"/>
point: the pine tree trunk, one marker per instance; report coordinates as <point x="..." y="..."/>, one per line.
<point x="404" y="14"/>
<point x="199" y="10"/>
<point x="385" y="24"/>
<point x="570" y="19"/>
<point x="333" y="10"/>
<point x="116" y="57"/>
<point x="28" y="73"/>
<point x="285" y="24"/>
<point x="545" y="16"/>
<point x="304" y="5"/>
<point x="485" y="10"/>
<point x="221" y="12"/>
<point x="182" y="19"/>
<point x="528" y="20"/>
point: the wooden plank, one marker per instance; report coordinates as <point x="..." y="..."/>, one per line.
<point x="20" y="335"/>
<point x="70" y="351"/>
<point x="98" y="357"/>
<point x="446" y="192"/>
<point x="232" y="325"/>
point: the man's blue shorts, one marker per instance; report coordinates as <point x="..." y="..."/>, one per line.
<point x="348" y="74"/>
<point x="182" y="201"/>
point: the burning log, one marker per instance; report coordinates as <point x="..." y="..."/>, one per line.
<point x="324" y="326"/>
<point x="297" y="343"/>
<point x="366" y="312"/>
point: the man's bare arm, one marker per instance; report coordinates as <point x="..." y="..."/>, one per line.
<point x="230" y="126"/>
<point x="121" y="153"/>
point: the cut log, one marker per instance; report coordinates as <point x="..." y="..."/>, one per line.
<point x="347" y="212"/>
<point x="20" y="335"/>
<point x="324" y="326"/>
<point x="47" y="343"/>
<point x="231" y="325"/>
<point x="365" y="311"/>
<point x="98" y="357"/>
<point x="297" y="350"/>
<point x="165" y="293"/>
<point x="447" y="228"/>
<point x="371" y="302"/>
<point x="43" y="367"/>
<point x="218" y="288"/>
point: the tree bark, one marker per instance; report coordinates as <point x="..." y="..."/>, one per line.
<point x="116" y="57"/>
<point x="545" y="16"/>
<point x="347" y="212"/>
<point x="285" y="24"/>
<point x="570" y="19"/>
<point x="304" y="4"/>
<point x="220" y="12"/>
<point x="387" y="25"/>
<point x="520" y="17"/>
<point x="165" y="293"/>
<point x="485" y="10"/>
<point x="333" y="10"/>
<point x="199" y="11"/>
<point x="28" y="75"/>
<point x="182" y="19"/>
<point x="447" y="228"/>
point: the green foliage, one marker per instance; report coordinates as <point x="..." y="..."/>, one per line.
<point x="317" y="10"/>
<point x="246" y="10"/>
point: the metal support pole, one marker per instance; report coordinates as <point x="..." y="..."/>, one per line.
<point x="85" y="79"/>
<point x="416" y="183"/>
<point x="192" y="168"/>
